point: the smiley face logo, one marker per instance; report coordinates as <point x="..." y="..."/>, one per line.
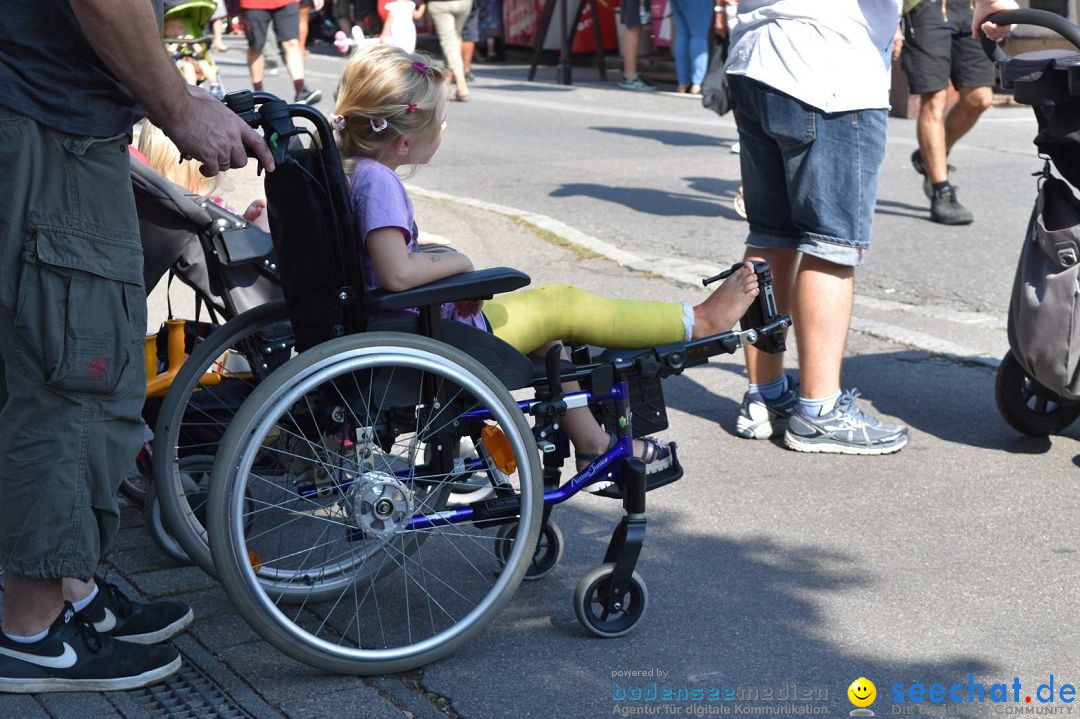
<point x="862" y="692"/>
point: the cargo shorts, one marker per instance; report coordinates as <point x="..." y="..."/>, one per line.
<point x="72" y="322"/>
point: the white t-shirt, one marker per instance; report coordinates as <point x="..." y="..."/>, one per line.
<point x="835" y="55"/>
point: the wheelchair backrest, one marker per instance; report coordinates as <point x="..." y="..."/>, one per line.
<point x="314" y="235"/>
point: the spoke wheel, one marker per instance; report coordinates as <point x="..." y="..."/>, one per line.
<point x="333" y="449"/>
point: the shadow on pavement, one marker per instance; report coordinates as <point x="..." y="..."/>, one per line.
<point x="933" y="396"/>
<point x="726" y="612"/>
<point x="670" y="137"/>
<point x="651" y="201"/>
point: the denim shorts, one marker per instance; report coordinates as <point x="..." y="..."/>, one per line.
<point x="809" y="177"/>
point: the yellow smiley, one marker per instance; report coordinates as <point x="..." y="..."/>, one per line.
<point x="862" y="692"/>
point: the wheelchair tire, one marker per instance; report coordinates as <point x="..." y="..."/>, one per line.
<point x="392" y="612"/>
<point x="589" y="603"/>
<point x="1028" y="406"/>
<point x="177" y="419"/>
<point x="194" y="473"/>
<point x="549" y="548"/>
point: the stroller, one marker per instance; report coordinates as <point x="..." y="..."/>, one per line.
<point x="185" y="38"/>
<point x="231" y="267"/>
<point x="1038" y="381"/>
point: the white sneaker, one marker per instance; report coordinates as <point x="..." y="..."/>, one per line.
<point x="761" y="419"/>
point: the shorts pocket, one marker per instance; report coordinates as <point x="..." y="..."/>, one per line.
<point x="787" y="121"/>
<point x="78" y="318"/>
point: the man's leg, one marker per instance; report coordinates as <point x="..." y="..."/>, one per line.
<point x="974" y="101"/>
<point x="930" y="131"/>
<point x="294" y="60"/>
<point x="256" y="66"/>
<point x="631" y="40"/>
<point x="31" y="605"/>
<point x="824" y="293"/>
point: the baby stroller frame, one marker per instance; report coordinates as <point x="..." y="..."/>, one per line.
<point x="1030" y="400"/>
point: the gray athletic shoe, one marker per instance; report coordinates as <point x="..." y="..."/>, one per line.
<point x="637" y="84"/>
<point x="845" y="430"/>
<point x="761" y="419"/>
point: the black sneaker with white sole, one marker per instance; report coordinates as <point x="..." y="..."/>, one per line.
<point x="73" y="657"/>
<point x="113" y="614"/>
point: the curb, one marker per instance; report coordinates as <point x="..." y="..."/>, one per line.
<point x="689" y="273"/>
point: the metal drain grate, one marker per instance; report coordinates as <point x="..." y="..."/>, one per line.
<point x="188" y="694"/>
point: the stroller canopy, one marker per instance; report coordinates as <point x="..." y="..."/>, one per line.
<point x="194" y="13"/>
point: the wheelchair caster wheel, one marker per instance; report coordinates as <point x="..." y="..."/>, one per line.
<point x="1026" y="405"/>
<point x="590" y="603"/>
<point x="549" y="548"/>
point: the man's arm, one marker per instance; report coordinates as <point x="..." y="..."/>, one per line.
<point x="124" y="34"/>
<point x="984" y="8"/>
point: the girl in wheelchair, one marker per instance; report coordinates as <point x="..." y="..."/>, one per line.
<point x="391" y="112"/>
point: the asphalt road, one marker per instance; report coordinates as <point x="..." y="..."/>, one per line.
<point x="768" y="568"/>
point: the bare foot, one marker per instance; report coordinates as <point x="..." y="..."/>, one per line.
<point x="728" y="302"/>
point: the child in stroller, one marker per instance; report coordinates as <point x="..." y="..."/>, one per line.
<point x="185" y="40"/>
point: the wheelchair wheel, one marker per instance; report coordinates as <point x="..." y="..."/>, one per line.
<point x="549" y="548"/>
<point x="194" y="473"/>
<point x="1026" y="405"/>
<point x="590" y="603"/>
<point x="364" y="410"/>
<point x="193" y="418"/>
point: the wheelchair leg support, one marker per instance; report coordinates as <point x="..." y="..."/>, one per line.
<point x="625" y="544"/>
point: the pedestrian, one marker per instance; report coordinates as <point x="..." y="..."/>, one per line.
<point x="285" y="15"/>
<point x="449" y="17"/>
<point x="810" y="85"/>
<point x="399" y="29"/>
<point x="484" y="23"/>
<point x="217" y="27"/>
<point x="392" y="112"/>
<point x="635" y="16"/>
<point x="72" y="322"/>
<point x="693" y="21"/>
<point x="938" y="48"/>
<point x="306" y="6"/>
<point x="350" y="13"/>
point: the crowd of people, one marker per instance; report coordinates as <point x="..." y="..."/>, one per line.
<point x="809" y="84"/>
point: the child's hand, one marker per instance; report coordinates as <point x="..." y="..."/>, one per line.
<point x="468" y="308"/>
<point x="256" y="215"/>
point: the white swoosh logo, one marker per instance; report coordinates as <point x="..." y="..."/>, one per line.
<point x="108" y="623"/>
<point x="65" y="660"/>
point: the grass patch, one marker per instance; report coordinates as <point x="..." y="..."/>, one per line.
<point x="553" y="239"/>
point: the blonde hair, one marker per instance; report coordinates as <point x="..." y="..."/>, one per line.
<point x="163" y="157"/>
<point x="380" y="84"/>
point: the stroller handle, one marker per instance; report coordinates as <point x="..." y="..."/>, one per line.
<point x="1041" y="18"/>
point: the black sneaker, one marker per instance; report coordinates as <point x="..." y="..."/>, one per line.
<point x="113" y="614"/>
<point x="75" y="658"/>
<point x="308" y="96"/>
<point x="945" y="209"/>
<point x="920" y="167"/>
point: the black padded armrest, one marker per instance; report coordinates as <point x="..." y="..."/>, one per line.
<point x="478" y="285"/>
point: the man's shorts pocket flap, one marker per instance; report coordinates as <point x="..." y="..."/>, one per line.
<point x="118" y="258"/>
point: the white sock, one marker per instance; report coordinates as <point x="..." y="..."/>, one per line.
<point x="27" y="640"/>
<point x="687" y="321"/>
<point x="85" y="601"/>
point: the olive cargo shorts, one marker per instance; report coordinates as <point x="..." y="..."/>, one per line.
<point x="72" y="322"/>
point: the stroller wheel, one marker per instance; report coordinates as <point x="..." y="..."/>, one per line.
<point x="1026" y="405"/>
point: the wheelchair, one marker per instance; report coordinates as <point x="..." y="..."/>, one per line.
<point x="378" y="497"/>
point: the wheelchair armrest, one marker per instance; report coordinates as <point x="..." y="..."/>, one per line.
<point x="481" y="284"/>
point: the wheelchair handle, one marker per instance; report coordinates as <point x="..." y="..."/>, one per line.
<point x="263" y="110"/>
<point x="1027" y="16"/>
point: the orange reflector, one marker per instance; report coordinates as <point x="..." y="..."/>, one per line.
<point x="255" y="560"/>
<point x="498" y="447"/>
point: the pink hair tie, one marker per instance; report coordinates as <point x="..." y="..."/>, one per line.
<point x="421" y="68"/>
<point x="412" y="107"/>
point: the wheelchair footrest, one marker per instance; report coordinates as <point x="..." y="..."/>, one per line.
<point x="652" y="481"/>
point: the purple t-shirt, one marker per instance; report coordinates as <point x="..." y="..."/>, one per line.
<point x="379" y="200"/>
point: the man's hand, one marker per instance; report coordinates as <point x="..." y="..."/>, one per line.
<point x="720" y="26"/>
<point x="897" y="44"/>
<point x="208" y="131"/>
<point x="984" y="8"/>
